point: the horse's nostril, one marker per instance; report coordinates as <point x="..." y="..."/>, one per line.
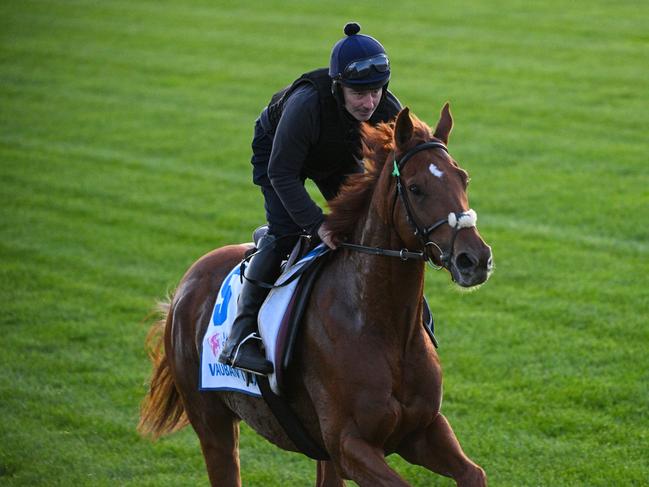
<point x="464" y="261"/>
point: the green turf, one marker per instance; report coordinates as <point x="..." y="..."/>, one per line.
<point x="124" y="146"/>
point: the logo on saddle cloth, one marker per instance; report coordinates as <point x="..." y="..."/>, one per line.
<point x="277" y="323"/>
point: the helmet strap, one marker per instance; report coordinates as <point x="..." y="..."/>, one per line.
<point x="337" y="92"/>
<point x="385" y="90"/>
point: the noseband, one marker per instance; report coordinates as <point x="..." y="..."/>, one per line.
<point x="457" y="220"/>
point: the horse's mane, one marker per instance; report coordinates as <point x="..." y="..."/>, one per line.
<point x="355" y="194"/>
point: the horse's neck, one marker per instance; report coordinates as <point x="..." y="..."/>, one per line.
<point x="387" y="289"/>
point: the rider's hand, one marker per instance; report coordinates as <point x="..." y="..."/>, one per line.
<point x="325" y="235"/>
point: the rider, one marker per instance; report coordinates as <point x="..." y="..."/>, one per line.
<point x="308" y="130"/>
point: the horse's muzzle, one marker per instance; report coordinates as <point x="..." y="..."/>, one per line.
<point x="471" y="268"/>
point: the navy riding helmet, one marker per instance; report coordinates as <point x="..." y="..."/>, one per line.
<point x="358" y="60"/>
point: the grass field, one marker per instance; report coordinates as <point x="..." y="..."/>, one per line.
<point x="124" y="147"/>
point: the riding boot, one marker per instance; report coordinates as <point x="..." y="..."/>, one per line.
<point x="242" y="349"/>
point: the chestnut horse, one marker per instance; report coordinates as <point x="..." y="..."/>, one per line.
<point x="366" y="380"/>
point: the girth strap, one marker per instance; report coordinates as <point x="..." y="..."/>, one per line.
<point x="289" y="421"/>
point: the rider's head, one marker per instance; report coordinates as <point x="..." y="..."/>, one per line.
<point x="359" y="63"/>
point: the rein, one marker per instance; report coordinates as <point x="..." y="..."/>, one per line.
<point x="457" y="220"/>
<point x="403" y="254"/>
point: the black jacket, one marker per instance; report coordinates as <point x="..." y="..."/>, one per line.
<point x="313" y="137"/>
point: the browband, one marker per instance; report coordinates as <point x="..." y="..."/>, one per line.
<point x="419" y="148"/>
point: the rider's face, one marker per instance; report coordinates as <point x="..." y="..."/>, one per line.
<point x="361" y="104"/>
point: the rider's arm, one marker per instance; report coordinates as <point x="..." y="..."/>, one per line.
<point x="298" y="130"/>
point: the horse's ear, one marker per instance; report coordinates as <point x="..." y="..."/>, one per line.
<point x="445" y="124"/>
<point x="403" y="129"/>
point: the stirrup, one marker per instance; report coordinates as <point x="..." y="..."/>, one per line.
<point x="233" y="361"/>
<point x="252" y="336"/>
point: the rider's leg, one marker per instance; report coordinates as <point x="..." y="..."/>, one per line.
<point x="242" y="347"/>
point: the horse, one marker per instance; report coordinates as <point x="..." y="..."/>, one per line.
<point x="365" y="380"/>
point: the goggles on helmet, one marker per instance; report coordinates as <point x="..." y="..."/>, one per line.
<point x="360" y="69"/>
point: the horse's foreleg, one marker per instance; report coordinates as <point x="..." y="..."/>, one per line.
<point x="327" y="476"/>
<point x="438" y="449"/>
<point x="366" y="465"/>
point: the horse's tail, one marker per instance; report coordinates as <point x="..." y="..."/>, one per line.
<point x="161" y="411"/>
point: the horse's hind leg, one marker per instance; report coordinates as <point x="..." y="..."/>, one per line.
<point x="327" y="476"/>
<point x="218" y="432"/>
<point x="438" y="449"/>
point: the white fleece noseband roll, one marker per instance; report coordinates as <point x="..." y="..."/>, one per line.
<point x="467" y="219"/>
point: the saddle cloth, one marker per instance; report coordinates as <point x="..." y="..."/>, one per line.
<point x="274" y="321"/>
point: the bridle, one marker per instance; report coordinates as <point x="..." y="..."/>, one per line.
<point x="457" y="220"/>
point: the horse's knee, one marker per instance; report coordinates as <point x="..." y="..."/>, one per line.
<point x="365" y="464"/>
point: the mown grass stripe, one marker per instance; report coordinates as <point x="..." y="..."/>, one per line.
<point x="567" y="235"/>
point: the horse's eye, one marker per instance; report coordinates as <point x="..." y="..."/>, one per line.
<point x="414" y="189"/>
